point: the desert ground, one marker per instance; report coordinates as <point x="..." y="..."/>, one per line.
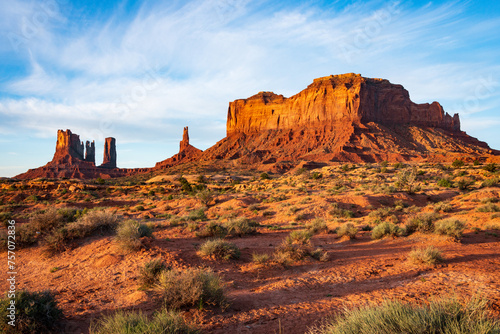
<point x="306" y="244"/>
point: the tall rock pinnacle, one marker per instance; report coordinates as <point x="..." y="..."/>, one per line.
<point x="109" y="160"/>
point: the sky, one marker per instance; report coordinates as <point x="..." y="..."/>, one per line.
<point x="140" y="71"/>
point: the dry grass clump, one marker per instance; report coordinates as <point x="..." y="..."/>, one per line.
<point x="191" y="287"/>
<point x="219" y="249"/>
<point x="423" y="223"/>
<point x="347" y="230"/>
<point x="129" y="234"/>
<point x="212" y="230"/>
<point x="447" y="315"/>
<point x="317" y="226"/>
<point x="297" y="246"/>
<point x="241" y="226"/>
<point x="163" y="322"/>
<point x="450" y="227"/>
<point x="385" y="229"/>
<point x="150" y="272"/>
<point x="427" y="256"/>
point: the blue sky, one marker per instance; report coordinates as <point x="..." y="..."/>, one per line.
<point x="140" y="71"/>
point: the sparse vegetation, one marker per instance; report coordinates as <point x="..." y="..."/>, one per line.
<point x="150" y="272"/>
<point x="385" y="229"/>
<point x="240" y="227"/>
<point x="129" y="234"/>
<point x="35" y="312"/>
<point x="448" y="315"/>
<point x="427" y="256"/>
<point x="451" y="227"/>
<point x="191" y="287"/>
<point x="163" y="322"/>
<point x="347" y="230"/>
<point x="219" y="249"/>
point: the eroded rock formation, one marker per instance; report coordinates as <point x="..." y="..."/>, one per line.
<point x="342" y="118"/>
<point x="109" y="160"/>
<point x="90" y="151"/>
<point x="333" y="99"/>
<point x="187" y="153"/>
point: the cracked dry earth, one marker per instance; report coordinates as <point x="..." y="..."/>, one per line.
<point x="96" y="278"/>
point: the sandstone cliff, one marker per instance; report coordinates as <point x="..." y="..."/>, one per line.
<point x="333" y="99"/>
<point x="342" y="118"/>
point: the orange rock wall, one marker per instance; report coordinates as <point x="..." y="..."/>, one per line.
<point x="333" y="99"/>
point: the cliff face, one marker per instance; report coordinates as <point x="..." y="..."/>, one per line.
<point x="109" y="159"/>
<point x="334" y="99"/>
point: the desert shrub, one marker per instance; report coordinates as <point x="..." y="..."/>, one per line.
<point x="95" y="221"/>
<point x="445" y="183"/>
<point x="129" y="232"/>
<point x="444" y="207"/>
<point x="26" y="234"/>
<point x="185" y="185"/>
<point x="317" y="226"/>
<point x="491" y="167"/>
<point x="489" y="207"/>
<point x="260" y="258"/>
<point x="464" y="183"/>
<point x="423" y="223"/>
<point x="450" y="227"/>
<point x="316" y="175"/>
<point x="491" y="182"/>
<point x="458" y="163"/>
<point x="428" y="256"/>
<point x="319" y="254"/>
<point x="191" y="287"/>
<point x="36" y="312"/>
<point x="264" y="176"/>
<point x="5" y="217"/>
<point x="407" y="180"/>
<point x="295" y="247"/>
<point x="47" y="220"/>
<point x="447" y="315"/>
<point x="198" y="214"/>
<point x="336" y="211"/>
<point x="219" y="249"/>
<point x="149" y="273"/>
<point x="241" y="226"/>
<point x="163" y="322"/>
<point x="348" y="230"/>
<point x="206" y="197"/>
<point x="212" y="229"/>
<point x="385" y="229"/>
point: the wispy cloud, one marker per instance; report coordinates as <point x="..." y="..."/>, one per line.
<point x="143" y="76"/>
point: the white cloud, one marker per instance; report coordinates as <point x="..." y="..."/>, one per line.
<point x="172" y="65"/>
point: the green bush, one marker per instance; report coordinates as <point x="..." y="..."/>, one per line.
<point x="445" y="183"/>
<point x="129" y="232"/>
<point x="149" y="273"/>
<point x="206" y="197"/>
<point x="317" y="226"/>
<point x="191" y="287"/>
<point x="458" y="163"/>
<point x="440" y="316"/>
<point x="428" y="256"/>
<point x="264" y="176"/>
<point x="241" y="226"/>
<point x="295" y="247"/>
<point x="491" y="182"/>
<point x="36" y="312"/>
<point x="211" y="230"/>
<point x="336" y="211"/>
<point x="491" y="167"/>
<point x="385" y="229"/>
<point x="220" y="249"/>
<point x="163" y="322"/>
<point x="423" y="223"/>
<point x="450" y="227"/>
<point x="348" y="230"/>
<point x="489" y="207"/>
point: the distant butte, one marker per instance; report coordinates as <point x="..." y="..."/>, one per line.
<point x="338" y="118"/>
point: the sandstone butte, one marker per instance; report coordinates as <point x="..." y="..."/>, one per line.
<point x="338" y="118"/>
